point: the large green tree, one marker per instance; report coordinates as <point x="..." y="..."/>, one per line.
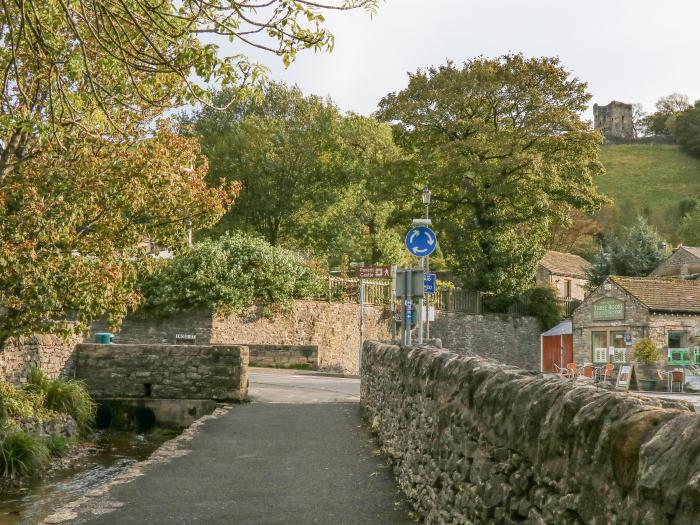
<point x="85" y="173"/>
<point x="73" y="225"/>
<point x="311" y="177"/>
<point x="635" y="252"/>
<point x="686" y="130"/>
<point x="502" y="145"/>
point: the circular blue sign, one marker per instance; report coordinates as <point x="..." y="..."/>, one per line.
<point x="421" y="241"/>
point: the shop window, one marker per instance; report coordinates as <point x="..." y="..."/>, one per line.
<point x="620" y="347"/>
<point x="599" y="343"/>
<point x="678" y="351"/>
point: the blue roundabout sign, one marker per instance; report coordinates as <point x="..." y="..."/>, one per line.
<point x="421" y="241"/>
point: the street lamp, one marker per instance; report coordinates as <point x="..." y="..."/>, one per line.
<point x="426" y="202"/>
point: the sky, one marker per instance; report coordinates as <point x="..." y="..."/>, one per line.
<point x="627" y="50"/>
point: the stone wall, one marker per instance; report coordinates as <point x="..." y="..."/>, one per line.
<point x="474" y="441"/>
<point x="217" y="372"/>
<point x="680" y="263"/>
<point x="614" y="120"/>
<point x="333" y="327"/>
<point x="53" y="355"/>
<point x="510" y="339"/>
<point x="284" y="355"/>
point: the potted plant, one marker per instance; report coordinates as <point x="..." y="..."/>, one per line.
<point x="647" y="354"/>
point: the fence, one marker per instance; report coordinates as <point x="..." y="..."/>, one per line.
<point x="378" y="292"/>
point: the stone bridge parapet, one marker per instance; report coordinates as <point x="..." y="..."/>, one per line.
<point x="212" y="372"/>
<point x="475" y="441"/>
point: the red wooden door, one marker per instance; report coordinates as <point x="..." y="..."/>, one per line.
<point x="557" y="350"/>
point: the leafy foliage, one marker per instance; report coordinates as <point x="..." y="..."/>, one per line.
<point x="636" y="252"/>
<point x="543" y="303"/>
<point x="101" y="67"/>
<point x="662" y="121"/>
<point x="312" y="178"/>
<point x="72" y="224"/>
<point x="686" y="130"/>
<point x="645" y="351"/>
<point x="501" y="144"/>
<point x="65" y="396"/>
<point x="227" y="274"/>
<point x="22" y="453"/>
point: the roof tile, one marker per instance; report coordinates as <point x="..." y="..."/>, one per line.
<point x="663" y="295"/>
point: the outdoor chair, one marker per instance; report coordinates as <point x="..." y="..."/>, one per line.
<point x="571" y="370"/>
<point x="677" y="376"/>
<point x="606" y="372"/>
<point x="561" y="371"/>
<point x="586" y="371"/>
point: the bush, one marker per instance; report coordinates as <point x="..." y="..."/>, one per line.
<point x="22" y="453"/>
<point x="57" y="445"/>
<point x="542" y="302"/>
<point x="228" y="274"/>
<point x="645" y="351"/>
<point x="64" y="396"/>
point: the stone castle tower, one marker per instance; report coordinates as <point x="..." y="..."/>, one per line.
<point x="614" y="120"/>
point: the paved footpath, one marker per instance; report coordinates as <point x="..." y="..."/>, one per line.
<point x="297" y="454"/>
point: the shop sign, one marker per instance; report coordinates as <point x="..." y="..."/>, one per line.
<point x="608" y="309"/>
<point x="624" y="377"/>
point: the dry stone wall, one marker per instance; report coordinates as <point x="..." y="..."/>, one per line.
<point x="50" y="353"/>
<point x="217" y="372"/>
<point x="284" y="356"/>
<point x="475" y="441"/>
<point x="510" y="339"/>
<point x="332" y="327"/>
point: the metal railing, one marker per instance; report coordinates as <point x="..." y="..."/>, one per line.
<point x="570" y="304"/>
<point x="378" y="292"/>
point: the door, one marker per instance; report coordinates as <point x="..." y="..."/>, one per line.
<point x="557" y="350"/>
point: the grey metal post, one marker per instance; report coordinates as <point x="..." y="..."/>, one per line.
<point x="393" y="302"/>
<point x="419" y="317"/>
<point x="361" y="297"/>
<point x="409" y="295"/>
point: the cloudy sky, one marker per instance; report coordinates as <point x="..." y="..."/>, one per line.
<point x="627" y="50"/>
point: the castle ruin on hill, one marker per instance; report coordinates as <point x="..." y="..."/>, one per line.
<point x="614" y="120"/>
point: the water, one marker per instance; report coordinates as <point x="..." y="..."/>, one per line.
<point x="111" y="454"/>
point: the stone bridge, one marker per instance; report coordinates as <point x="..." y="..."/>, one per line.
<point x="457" y="439"/>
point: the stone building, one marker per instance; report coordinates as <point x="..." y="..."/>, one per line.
<point x="623" y="310"/>
<point x="684" y="262"/>
<point x="565" y="272"/>
<point x="614" y="120"/>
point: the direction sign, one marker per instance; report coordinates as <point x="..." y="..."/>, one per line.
<point x="374" y="272"/>
<point x="429" y="282"/>
<point x="421" y="241"/>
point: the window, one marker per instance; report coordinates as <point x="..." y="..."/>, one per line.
<point x="599" y="343"/>
<point x="567" y="285"/>
<point x="620" y="347"/>
<point x="678" y="351"/>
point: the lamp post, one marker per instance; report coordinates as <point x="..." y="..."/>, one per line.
<point x="426" y="204"/>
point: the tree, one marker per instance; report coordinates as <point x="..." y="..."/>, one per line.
<point x="72" y="222"/>
<point x="639" y="121"/>
<point x="635" y="253"/>
<point x="667" y="108"/>
<point x="501" y="144"/>
<point x="312" y="178"/>
<point x="579" y="237"/>
<point x="689" y="230"/>
<point x="84" y="173"/>
<point x="686" y="130"/>
<point x="101" y="66"/>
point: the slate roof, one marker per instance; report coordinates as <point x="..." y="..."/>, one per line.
<point x="693" y="250"/>
<point x="663" y="295"/>
<point x="563" y="328"/>
<point x="567" y="264"/>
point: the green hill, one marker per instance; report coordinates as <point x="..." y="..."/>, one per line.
<point x="651" y="180"/>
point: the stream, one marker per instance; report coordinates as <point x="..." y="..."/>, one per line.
<point x="109" y="455"/>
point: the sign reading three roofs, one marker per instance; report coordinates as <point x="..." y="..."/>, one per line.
<point x="608" y="309"/>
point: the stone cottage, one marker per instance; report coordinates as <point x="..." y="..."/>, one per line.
<point x="623" y="310"/>
<point x="684" y="262"/>
<point x="565" y="272"/>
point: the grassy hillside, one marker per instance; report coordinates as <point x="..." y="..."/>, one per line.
<point x="651" y="180"/>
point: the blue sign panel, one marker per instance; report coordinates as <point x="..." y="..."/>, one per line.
<point x="421" y="241"/>
<point x="429" y="283"/>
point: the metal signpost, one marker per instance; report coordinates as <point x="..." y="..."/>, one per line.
<point x="409" y="286"/>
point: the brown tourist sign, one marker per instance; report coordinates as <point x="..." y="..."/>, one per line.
<point x="374" y="272"/>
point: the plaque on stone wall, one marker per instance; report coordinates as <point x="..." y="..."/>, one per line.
<point x="608" y="309"/>
<point x="185" y="339"/>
